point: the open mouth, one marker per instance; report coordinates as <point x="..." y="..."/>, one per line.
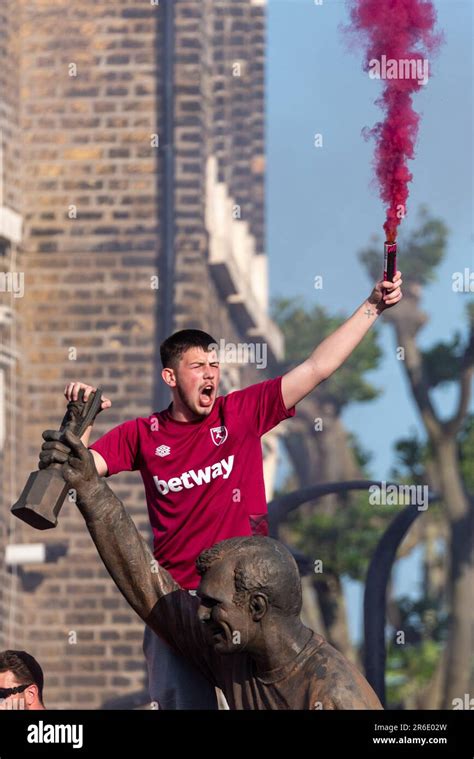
<point x="206" y="395"/>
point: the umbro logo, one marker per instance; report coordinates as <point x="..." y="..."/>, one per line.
<point x="163" y="450"/>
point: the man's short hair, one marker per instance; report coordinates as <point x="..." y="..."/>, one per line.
<point x="175" y="345"/>
<point x="261" y="564"/>
<point x="24" y="667"/>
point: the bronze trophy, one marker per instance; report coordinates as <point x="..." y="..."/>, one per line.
<point x="45" y="491"/>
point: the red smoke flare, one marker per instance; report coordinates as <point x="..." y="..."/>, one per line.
<point x="400" y="30"/>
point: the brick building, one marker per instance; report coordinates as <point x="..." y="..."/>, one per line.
<point x="132" y="204"/>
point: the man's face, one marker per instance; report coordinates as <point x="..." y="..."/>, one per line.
<point x="229" y="627"/>
<point x="13" y="701"/>
<point x="197" y="379"/>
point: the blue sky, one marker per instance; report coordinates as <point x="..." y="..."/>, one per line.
<point x="322" y="207"/>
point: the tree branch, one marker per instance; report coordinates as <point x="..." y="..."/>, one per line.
<point x="414" y="369"/>
<point x="453" y="425"/>
<point x="465" y="383"/>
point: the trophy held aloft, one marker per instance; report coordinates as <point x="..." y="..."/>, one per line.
<point x="45" y="491"/>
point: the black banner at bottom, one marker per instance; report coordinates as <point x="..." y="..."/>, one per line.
<point x="146" y="733"/>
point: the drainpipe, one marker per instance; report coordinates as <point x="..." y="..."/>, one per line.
<point x="165" y="182"/>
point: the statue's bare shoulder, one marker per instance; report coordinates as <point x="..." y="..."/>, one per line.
<point x="338" y="684"/>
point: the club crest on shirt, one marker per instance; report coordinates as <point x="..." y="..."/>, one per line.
<point x="163" y="450"/>
<point x="218" y="435"/>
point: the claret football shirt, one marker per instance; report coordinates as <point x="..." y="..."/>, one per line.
<point x="203" y="480"/>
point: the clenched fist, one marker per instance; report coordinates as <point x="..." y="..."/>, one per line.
<point x="387" y="294"/>
<point x="78" y="466"/>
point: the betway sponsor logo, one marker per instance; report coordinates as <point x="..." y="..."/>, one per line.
<point x="191" y="478"/>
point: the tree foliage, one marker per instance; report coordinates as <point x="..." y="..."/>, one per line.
<point x="345" y="541"/>
<point x="304" y="329"/>
<point x="412" y="661"/>
<point x="419" y="254"/>
<point x="466" y="453"/>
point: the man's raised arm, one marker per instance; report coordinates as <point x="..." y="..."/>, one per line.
<point x="124" y="552"/>
<point x="331" y="353"/>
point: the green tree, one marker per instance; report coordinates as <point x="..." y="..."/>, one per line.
<point x="449" y="362"/>
<point x="344" y="531"/>
<point x="321" y="450"/>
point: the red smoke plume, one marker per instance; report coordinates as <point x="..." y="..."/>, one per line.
<point x="397" y="31"/>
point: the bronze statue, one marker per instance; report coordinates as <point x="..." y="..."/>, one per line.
<point x="243" y="629"/>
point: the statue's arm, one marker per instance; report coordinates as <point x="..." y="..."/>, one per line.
<point x="124" y="552"/>
<point x="149" y="589"/>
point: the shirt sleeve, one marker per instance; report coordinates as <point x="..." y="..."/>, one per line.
<point x="262" y="405"/>
<point x="120" y="447"/>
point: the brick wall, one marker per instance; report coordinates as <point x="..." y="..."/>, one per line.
<point x="89" y="84"/>
<point x="219" y="57"/>
<point x="11" y="260"/>
<point x="92" y="244"/>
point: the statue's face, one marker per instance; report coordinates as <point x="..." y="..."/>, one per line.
<point x="230" y="628"/>
<point x="197" y="380"/>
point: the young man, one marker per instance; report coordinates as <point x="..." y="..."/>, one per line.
<point x="201" y="463"/>
<point x="21" y="681"/>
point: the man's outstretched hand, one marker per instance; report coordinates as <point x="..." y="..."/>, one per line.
<point x="78" y="467"/>
<point x="387" y="294"/>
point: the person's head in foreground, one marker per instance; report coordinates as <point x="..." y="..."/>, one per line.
<point x="249" y="587"/>
<point x="191" y="370"/>
<point x="21" y="681"/>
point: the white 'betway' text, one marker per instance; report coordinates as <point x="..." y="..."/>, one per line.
<point x="191" y="478"/>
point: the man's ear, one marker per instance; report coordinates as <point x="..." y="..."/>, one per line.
<point x="169" y="376"/>
<point x="31" y="694"/>
<point x="258" y="605"/>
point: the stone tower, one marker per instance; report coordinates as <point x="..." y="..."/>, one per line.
<point x="132" y="204"/>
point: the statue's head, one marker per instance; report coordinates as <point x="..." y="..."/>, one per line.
<point x="246" y="585"/>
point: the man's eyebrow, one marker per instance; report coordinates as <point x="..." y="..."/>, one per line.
<point x="200" y="362"/>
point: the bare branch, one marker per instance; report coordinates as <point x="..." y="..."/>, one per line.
<point x="414" y="369"/>
<point x="453" y="425"/>
<point x="465" y="387"/>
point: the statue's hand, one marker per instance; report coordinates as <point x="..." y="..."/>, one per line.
<point x="53" y="451"/>
<point x="79" y="471"/>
